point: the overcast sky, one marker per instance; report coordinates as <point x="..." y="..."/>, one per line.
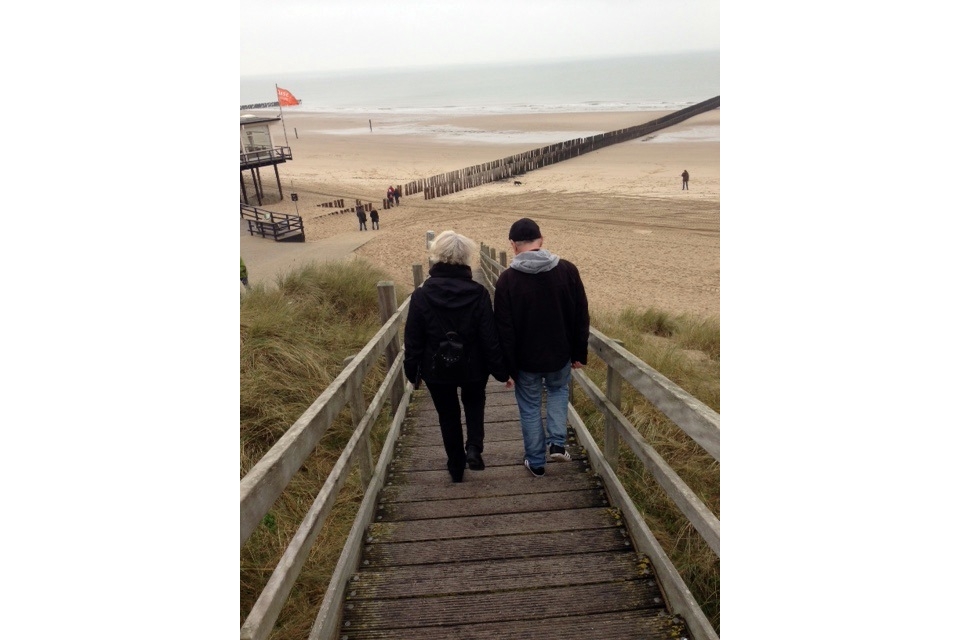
<point x="288" y="36"/>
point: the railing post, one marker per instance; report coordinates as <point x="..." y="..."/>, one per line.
<point x="611" y="439"/>
<point x="503" y="259"/>
<point x="417" y="275"/>
<point x="358" y="408"/>
<point x="388" y="306"/>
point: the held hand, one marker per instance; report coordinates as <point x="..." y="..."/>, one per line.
<point x="508" y="384"/>
<point x="576" y="364"/>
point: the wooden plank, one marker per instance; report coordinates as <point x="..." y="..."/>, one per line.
<point x="491" y="482"/>
<point x="702" y="519"/>
<point x="618" y="625"/>
<point x="528" y="545"/>
<point x="509" y="453"/>
<point x="496" y="575"/>
<point x="476" y="506"/>
<point x="696" y="419"/>
<point x="508" y="523"/>
<point x="475" y="608"/>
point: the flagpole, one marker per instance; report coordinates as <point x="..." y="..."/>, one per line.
<point x="280" y="104"/>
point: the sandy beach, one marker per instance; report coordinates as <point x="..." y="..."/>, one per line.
<point x="618" y="213"/>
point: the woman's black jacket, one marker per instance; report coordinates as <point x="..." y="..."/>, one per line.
<point x="450" y="300"/>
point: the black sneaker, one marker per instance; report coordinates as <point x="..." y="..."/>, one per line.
<point x="559" y="453"/>
<point x="538" y="472"/>
<point x="474" y="461"/>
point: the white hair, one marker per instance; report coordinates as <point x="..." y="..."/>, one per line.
<point x="453" y="248"/>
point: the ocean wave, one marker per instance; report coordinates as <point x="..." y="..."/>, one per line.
<point x="453" y="134"/>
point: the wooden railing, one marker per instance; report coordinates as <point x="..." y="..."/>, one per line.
<point x="265" y="482"/>
<point x="697" y="420"/>
<point x="270" y="224"/>
<point x="265" y="156"/>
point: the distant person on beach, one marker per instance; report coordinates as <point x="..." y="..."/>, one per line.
<point x="452" y="301"/>
<point x="390" y="195"/>
<point x="374" y="219"/>
<point x="362" y="217"/>
<point x="686" y="178"/>
<point x="540" y="306"/>
<point x="396" y="195"/>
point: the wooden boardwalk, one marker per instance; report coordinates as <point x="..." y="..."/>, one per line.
<point x="501" y="555"/>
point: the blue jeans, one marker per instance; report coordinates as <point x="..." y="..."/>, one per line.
<point x="527" y="389"/>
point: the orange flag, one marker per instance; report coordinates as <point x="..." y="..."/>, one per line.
<point x="286" y="99"/>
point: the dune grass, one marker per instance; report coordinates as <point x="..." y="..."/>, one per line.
<point x="293" y="341"/>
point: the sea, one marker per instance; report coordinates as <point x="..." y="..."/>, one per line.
<point x="411" y="96"/>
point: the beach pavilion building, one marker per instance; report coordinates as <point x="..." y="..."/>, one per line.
<point x="257" y="150"/>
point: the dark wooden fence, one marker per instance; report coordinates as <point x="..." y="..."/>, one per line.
<point x="269" y="224"/>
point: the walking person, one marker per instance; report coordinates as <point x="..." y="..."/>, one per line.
<point x="374" y="219"/>
<point x="451" y="301"/>
<point x="540" y="307"/>
<point x="362" y="217"/>
<point x="390" y="196"/>
<point x="686" y="178"/>
<point x="396" y="195"/>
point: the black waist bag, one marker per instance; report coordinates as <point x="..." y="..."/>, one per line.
<point x="451" y="358"/>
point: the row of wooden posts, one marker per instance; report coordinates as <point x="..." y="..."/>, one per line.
<point x="367" y="207"/>
<point x="518" y="164"/>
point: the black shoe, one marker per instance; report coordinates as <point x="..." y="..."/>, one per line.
<point x="457" y="476"/>
<point x="538" y="472"/>
<point x="559" y="453"/>
<point x="474" y="461"/>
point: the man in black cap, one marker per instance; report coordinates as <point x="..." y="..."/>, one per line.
<point x="540" y="307"/>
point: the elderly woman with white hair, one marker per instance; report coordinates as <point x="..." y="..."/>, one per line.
<point x="450" y="343"/>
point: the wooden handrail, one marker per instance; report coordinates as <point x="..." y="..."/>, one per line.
<point x="697" y="420"/>
<point x="266" y="155"/>
<point x="702" y="519"/>
<point x="264" y="483"/>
